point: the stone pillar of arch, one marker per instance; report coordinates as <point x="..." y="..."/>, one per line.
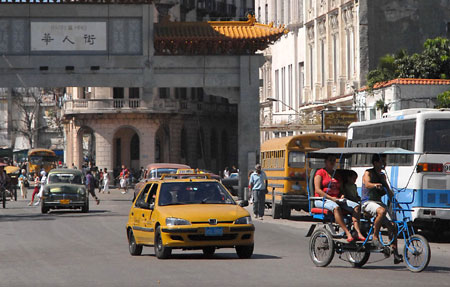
<point x="147" y="144"/>
<point x="175" y="142"/>
<point x="78" y="148"/>
<point x="104" y="149"/>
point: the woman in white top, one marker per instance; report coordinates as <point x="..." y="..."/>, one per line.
<point x="105" y="181"/>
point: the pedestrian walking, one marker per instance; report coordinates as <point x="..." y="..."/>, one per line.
<point x="258" y="184"/>
<point x="90" y="185"/>
<point x="106" y="181"/>
<point x="124" y="174"/>
<point x="99" y="180"/>
<point x="22" y="180"/>
<point x="41" y="189"/>
<point x="37" y="183"/>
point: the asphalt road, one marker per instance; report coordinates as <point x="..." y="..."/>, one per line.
<point x="75" y="249"/>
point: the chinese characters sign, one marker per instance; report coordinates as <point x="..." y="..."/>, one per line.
<point x="68" y="36"/>
<point x="334" y="121"/>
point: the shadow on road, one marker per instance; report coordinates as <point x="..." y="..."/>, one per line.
<point x="216" y="256"/>
<point x="55" y="214"/>
<point x="24" y="217"/>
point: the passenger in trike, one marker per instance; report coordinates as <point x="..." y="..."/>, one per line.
<point x="335" y="233"/>
<point x="328" y="187"/>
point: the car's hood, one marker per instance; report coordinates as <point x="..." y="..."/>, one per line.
<point x="204" y="212"/>
<point x="64" y="187"/>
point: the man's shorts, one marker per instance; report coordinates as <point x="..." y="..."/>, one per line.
<point x="331" y="205"/>
<point x="371" y="207"/>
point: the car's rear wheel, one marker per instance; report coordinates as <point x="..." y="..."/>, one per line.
<point x="135" y="249"/>
<point x="161" y="251"/>
<point x="245" y="251"/>
<point x="209" y="251"/>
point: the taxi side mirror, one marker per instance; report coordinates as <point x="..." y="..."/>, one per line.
<point x="152" y="206"/>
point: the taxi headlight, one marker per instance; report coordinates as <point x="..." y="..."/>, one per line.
<point x="82" y="191"/>
<point x="244" y="220"/>
<point x="171" y="221"/>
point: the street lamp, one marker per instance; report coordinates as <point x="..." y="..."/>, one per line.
<point x="284" y="104"/>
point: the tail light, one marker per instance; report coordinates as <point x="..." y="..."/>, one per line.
<point x="430" y="167"/>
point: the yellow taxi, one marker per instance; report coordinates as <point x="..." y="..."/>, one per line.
<point x="188" y="213"/>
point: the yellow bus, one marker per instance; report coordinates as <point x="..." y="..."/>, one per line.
<point x="283" y="161"/>
<point x="41" y="158"/>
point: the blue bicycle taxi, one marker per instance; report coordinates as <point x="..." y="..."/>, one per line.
<point x="328" y="239"/>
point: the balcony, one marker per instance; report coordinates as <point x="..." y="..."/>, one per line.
<point x="91" y="106"/>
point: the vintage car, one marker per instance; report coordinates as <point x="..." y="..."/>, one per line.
<point x="188" y="213"/>
<point x="155" y="170"/>
<point x="64" y="189"/>
<point x="232" y="183"/>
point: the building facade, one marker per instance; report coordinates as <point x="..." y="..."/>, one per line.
<point x="111" y="127"/>
<point x="330" y="48"/>
<point x="399" y="94"/>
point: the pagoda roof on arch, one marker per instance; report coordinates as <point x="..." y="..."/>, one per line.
<point x="214" y="37"/>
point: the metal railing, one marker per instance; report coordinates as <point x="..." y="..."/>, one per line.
<point x="158" y="105"/>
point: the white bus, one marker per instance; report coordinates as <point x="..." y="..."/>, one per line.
<point x="426" y="131"/>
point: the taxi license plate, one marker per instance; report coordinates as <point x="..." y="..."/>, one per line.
<point x="213" y="231"/>
<point x="64" y="201"/>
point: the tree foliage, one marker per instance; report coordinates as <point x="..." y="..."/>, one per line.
<point x="443" y="100"/>
<point x="432" y="63"/>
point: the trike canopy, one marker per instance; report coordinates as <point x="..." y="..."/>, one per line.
<point x="349" y="151"/>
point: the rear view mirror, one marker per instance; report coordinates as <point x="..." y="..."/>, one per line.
<point x="243" y="203"/>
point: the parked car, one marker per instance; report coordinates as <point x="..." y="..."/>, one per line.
<point x="188" y="213"/>
<point x="64" y="189"/>
<point x="155" y="170"/>
<point x="232" y="183"/>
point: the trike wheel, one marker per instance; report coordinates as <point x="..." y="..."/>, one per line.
<point x="321" y="247"/>
<point x="417" y="253"/>
<point x="358" y="258"/>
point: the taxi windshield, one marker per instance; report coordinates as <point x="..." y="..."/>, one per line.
<point x="174" y="193"/>
<point x="64" y="178"/>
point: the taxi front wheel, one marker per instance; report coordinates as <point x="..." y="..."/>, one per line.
<point x="135" y="249"/>
<point x="245" y="251"/>
<point x="161" y="251"/>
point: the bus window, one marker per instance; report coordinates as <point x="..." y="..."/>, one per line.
<point x="437" y="136"/>
<point x="296" y="159"/>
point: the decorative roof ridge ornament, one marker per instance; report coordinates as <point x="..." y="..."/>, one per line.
<point x="251" y="19"/>
<point x="215" y="37"/>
